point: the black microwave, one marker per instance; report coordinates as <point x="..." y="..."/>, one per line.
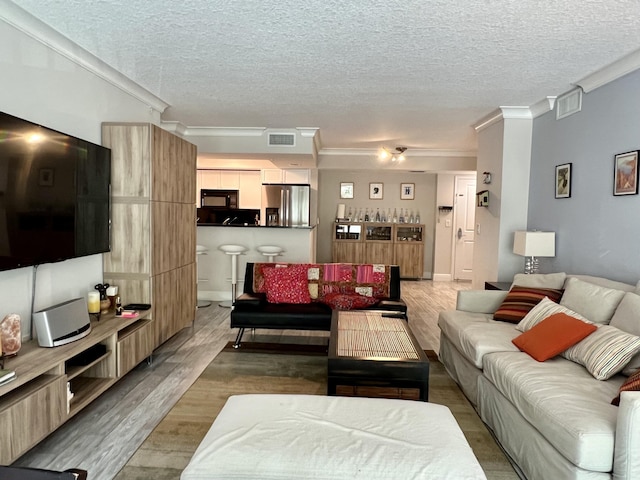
<point x="219" y="198"/>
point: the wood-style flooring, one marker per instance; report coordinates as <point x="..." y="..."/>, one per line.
<point x="107" y="433"/>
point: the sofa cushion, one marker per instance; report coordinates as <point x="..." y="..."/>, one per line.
<point x="563" y="402"/>
<point x="287" y="284"/>
<point x="605" y="352"/>
<point x="477" y="334"/>
<point x="348" y="301"/>
<point x="542" y="310"/>
<point x="521" y="299"/>
<point x="631" y="384"/>
<point x="627" y="319"/>
<point x="542" y="280"/>
<point x="552" y="336"/>
<point x="593" y="301"/>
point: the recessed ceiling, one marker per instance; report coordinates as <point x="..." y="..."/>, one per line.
<point x="416" y="73"/>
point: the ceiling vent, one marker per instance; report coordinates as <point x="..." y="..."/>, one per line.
<point x="282" y="139"/>
<point x="569" y="103"/>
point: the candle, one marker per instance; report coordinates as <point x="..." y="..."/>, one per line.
<point x="93" y="302"/>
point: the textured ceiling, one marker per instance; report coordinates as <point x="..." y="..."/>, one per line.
<point x="417" y="73"/>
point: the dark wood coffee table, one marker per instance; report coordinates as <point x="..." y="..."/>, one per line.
<point x="374" y="353"/>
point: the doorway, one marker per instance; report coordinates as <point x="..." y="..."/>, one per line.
<point x="464" y="213"/>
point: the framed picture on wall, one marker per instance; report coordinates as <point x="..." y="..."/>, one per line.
<point x="375" y="191"/>
<point x="346" y="189"/>
<point x="625" y="179"/>
<point x="407" y="191"/>
<point x="563" y="180"/>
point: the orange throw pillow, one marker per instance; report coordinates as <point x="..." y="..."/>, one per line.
<point x="552" y="336"/>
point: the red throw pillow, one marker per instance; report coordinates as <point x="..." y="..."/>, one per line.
<point x="348" y="301"/>
<point x="287" y="284"/>
<point x="520" y="300"/>
<point x="552" y="336"/>
<point x="632" y="384"/>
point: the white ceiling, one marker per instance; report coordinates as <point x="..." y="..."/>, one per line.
<point x="416" y="73"/>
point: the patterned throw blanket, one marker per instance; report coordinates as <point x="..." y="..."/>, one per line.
<point x="331" y="278"/>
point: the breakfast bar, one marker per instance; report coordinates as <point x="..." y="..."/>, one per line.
<point x="214" y="268"/>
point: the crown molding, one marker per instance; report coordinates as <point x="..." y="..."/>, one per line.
<point x="411" y="152"/>
<point x="611" y="72"/>
<point x="543" y="106"/>
<point x="225" y="131"/>
<point x="43" y="33"/>
<point x="503" y="113"/>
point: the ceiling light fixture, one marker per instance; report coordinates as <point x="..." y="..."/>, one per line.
<point x="396" y="155"/>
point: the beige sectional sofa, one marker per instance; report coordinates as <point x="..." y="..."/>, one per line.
<point x="554" y="418"/>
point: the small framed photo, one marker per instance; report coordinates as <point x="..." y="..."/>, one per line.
<point x="375" y="191"/>
<point x="346" y="189"/>
<point x="625" y="179"/>
<point x="407" y="191"/>
<point x="563" y="180"/>
<point x="45" y="177"/>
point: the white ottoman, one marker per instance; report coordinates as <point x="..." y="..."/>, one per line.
<point x="312" y="436"/>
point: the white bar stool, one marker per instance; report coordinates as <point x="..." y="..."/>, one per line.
<point x="270" y="251"/>
<point x="201" y="250"/>
<point x="233" y="251"/>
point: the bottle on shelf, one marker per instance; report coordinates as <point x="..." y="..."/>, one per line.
<point x="383" y="216"/>
<point x="401" y="219"/>
<point x="377" y="215"/>
<point x="360" y="216"/>
<point x="417" y="216"/>
<point x="366" y="215"/>
<point x="411" y="217"/>
<point x="389" y="217"/>
<point x="395" y="216"/>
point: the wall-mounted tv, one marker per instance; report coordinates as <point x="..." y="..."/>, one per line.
<point x="54" y="195"/>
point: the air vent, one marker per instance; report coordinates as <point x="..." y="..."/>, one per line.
<point x="282" y="139"/>
<point x="569" y="103"/>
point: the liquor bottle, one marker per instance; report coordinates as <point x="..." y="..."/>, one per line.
<point x="377" y="214"/>
<point x="389" y="217"/>
<point x="401" y="219"/>
<point x="349" y="215"/>
<point x="395" y="216"/>
<point x="366" y="215"/>
<point x="417" y="216"/>
<point x="411" y="217"/>
<point x="383" y="216"/>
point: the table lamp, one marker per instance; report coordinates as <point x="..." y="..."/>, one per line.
<point x="532" y="245"/>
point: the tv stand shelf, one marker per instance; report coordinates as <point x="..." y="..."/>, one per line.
<point x="38" y="395"/>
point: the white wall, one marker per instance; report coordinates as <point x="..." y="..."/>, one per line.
<point x="45" y="87"/>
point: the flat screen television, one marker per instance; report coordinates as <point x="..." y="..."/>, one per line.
<point x="54" y="195"/>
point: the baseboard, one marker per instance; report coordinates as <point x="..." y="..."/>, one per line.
<point x="442" y="277"/>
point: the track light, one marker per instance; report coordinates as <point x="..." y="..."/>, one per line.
<point x="396" y="155"/>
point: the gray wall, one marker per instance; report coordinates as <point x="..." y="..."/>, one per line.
<point x="596" y="233"/>
<point x="329" y="198"/>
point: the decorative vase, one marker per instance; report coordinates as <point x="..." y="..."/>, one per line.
<point x="11" y="341"/>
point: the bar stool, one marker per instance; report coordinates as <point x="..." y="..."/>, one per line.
<point x="233" y="251"/>
<point x="201" y="250"/>
<point x="270" y="251"/>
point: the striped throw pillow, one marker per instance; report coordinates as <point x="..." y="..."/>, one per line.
<point x="605" y="352"/>
<point x="632" y="384"/>
<point x="520" y="300"/>
<point x="543" y="310"/>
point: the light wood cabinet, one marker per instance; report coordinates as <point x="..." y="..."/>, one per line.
<point x="380" y="243"/>
<point x="35" y="403"/>
<point x="153" y="223"/>
<point x="409" y="249"/>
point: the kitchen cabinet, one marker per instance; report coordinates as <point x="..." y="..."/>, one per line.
<point x="348" y="246"/>
<point x="288" y="175"/>
<point x="250" y="189"/>
<point x="153" y="232"/>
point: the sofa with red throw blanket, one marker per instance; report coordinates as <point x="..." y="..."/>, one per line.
<point x="296" y="296"/>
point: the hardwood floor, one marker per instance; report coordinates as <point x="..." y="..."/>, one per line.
<point x="107" y="433"/>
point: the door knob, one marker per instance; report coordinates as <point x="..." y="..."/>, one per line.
<point x="459" y="234"/>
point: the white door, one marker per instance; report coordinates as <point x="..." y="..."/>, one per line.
<point x="464" y="233"/>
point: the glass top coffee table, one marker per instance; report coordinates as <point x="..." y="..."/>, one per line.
<point x="374" y="354"/>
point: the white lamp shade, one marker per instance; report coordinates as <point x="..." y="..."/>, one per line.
<point x="535" y="244"/>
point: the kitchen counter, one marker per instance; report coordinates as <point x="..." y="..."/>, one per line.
<point x="214" y="267"/>
<point x="310" y="227"/>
